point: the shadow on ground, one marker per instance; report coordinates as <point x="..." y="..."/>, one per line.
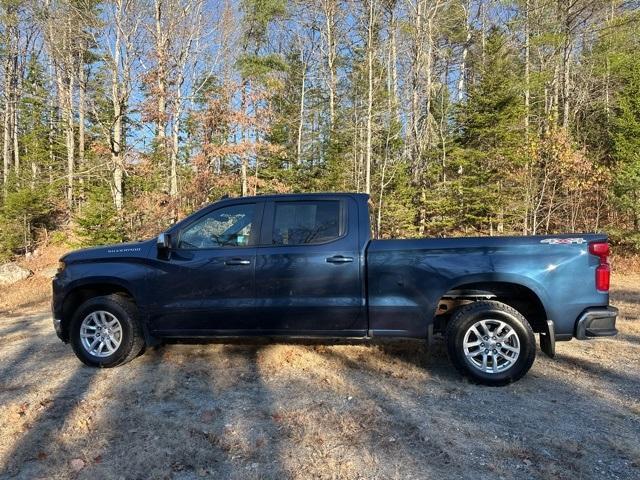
<point x="303" y="410"/>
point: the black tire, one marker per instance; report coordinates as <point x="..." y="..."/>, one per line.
<point x="125" y="311"/>
<point x="464" y="318"/>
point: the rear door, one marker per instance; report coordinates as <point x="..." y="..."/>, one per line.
<point x="308" y="279"/>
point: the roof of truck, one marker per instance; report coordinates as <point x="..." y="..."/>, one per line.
<point x="297" y="195"/>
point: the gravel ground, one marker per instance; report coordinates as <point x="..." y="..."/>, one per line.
<point x="315" y="411"/>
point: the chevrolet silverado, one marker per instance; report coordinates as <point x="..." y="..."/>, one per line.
<point x="304" y="265"/>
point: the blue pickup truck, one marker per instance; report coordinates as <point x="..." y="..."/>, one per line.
<point x="304" y="265"/>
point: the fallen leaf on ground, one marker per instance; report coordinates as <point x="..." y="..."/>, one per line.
<point x="77" y="464"/>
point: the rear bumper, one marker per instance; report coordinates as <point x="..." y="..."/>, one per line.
<point x="596" y="322"/>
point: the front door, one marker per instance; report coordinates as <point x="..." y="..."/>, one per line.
<point x="308" y="276"/>
<point x="208" y="287"/>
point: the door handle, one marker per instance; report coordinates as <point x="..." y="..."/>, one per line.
<point x="237" y="261"/>
<point x="339" y="259"/>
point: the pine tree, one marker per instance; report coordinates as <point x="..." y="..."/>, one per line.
<point x="625" y="131"/>
<point x="488" y="150"/>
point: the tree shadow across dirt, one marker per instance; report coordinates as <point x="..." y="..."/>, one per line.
<point x="623" y="381"/>
<point x="16" y="311"/>
<point x="631" y="297"/>
<point x="16" y="326"/>
<point x="629" y="338"/>
<point x="40" y="440"/>
<point x="311" y="409"/>
<point x="189" y="411"/>
<point x="531" y="429"/>
<point x="410" y="351"/>
<point x="14" y="378"/>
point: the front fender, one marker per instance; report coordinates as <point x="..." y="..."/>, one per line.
<point x="111" y="277"/>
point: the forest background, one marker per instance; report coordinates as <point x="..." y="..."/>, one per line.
<point x="458" y="117"/>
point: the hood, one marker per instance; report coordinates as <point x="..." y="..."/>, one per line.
<point x="120" y="250"/>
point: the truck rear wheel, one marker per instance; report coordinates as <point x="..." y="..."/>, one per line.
<point x="105" y="332"/>
<point x="491" y="343"/>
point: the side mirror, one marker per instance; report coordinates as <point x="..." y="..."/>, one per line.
<point x="164" y="245"/>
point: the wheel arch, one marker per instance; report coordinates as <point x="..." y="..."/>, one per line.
<point x="82" y="292"/>
<point x="514" y="293"/>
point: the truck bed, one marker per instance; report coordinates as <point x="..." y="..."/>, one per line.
<point x="407" y="278"/>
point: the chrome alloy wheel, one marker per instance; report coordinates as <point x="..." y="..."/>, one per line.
<point x="491" y="346"/>
<point x="101" y="333"/>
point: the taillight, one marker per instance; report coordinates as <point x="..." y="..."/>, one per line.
<point x="603" y="271"/>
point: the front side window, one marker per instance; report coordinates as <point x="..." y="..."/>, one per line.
<point x="225" y="227"/>
<point x="299" y="223"/>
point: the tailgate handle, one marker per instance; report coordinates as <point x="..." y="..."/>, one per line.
<point x="339" y="259"/>
<point x="237" y="261"/>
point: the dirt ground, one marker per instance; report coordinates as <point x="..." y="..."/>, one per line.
<point x="185" y="411"/>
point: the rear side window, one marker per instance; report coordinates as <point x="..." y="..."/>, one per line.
<point x="303" y="223"/>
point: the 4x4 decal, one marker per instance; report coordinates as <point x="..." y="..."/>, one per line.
<point x="563" y="241"/>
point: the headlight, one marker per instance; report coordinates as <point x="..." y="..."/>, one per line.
<point x="61" y="266"/>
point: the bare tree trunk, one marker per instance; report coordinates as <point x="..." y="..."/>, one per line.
<point x="34" y="174"/>
<point x="51" y="100"/>
<point x="392" y="68"/>
<point x="15" y="132"/>
<point x="161" y="47"/>
<point x="483" y="31"/>
<point x="565" y="87"/>
<point x="70" y="141"/>
<point x="243" y="175"/>
<point x="547" y="108"/>
<point x="329" y="7"/>
<point x="370" y="27"/>
<point x="607" y="78"/>
<point x="380" y="198"/>
<point x="443" y="128"/>
<point x="556" y="95"/>
<point x="422" y="211"/>
<point x="116" y="150"/>
<point x="11" y="151"/>
<point x="527" y="89"/>
<point x="301" y="111"/>
<point x="64" y="99"/>
<point x="8" y="116"/>
<point x="82" y="87"/>
<point x="355" y="148"/>
<point x="465" y="51"/>
<point x="416" y="74"/>
<point x="116" y="154"/>
<point x="175" y="142"/>
<point x="117" y="131"/>
<point x="566" y="60"/>
<point x="6" y="139"/>
<point x="429" y="80"/>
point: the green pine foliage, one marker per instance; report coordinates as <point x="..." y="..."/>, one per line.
<point x="24" y="211"/>
<point x="489" y="142"/>
<point x="98" y="223"/>
<point x="625" y="128"/>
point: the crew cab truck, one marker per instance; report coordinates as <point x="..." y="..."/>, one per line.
<point x="305" y="265"/>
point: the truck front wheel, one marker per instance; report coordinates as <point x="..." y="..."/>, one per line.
<point x="491" y="343"/>
<point x="105" y="332"/>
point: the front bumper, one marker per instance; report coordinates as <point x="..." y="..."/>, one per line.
<point x="597" y="322"/>
<point x="56" y="308"/>
<point x="57" y="325"/>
